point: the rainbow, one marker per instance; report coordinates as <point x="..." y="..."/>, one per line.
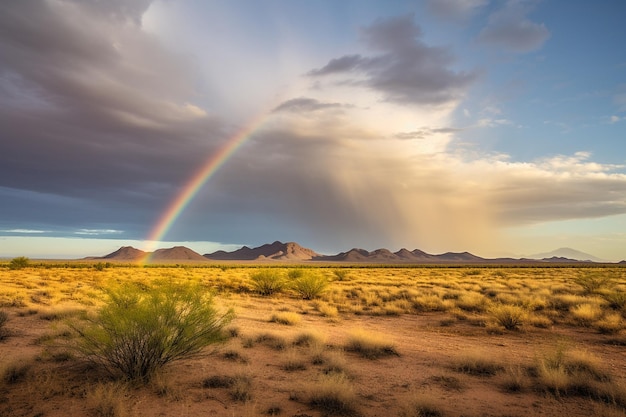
<point x="195" y="183"/>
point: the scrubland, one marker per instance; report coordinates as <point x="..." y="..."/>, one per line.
<point x="327" y="340"/>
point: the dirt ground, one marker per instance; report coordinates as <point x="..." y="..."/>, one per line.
<point x="422" y="370"/>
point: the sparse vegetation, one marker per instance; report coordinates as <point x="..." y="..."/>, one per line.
<point x="426" y="314"/>
<point x="288" y="318"/>
<point x="335" y="396"/>
<point x="4" y="317"/>
<point x="267" y="281"/>
<point x="370" y="345"/>
<point x="309" y="285"/>
<point x="139" y="330"/>
<point x="20" y="262"/>
<point x="477" y="363"/>
<point x="511" y="317"/>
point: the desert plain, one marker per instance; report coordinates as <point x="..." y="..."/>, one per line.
<point x="371" y="340"/>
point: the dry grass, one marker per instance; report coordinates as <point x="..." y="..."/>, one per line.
<point x="107" y="400"/>
<point x="463" y="300"/>
<point x="335" y="396"/>
<point x="370" y="345"/>
<point x="422" y="406"/>
<point x="287" y="318"/>
<point x="477" y="363"/>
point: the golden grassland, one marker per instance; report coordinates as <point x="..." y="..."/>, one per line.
<point x="399" y="341"/>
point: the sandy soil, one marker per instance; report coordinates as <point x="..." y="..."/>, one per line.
<point x="383" y="387"/>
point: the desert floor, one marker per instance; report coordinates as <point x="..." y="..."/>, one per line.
<point x="447" y="362"/>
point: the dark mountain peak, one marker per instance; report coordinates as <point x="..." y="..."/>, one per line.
<point x="276" y="250"/>
<point x="126" y="253"/>
<point x="181" y="253"/>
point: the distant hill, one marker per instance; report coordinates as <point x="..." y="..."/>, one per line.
<point x="567" y="253"/>
<point x="276" y="251"/>
<point x="125" y="253"/>
<point x="291" y="251"/>
<point x="177" y="253"/>
<point x="402" y="256"/>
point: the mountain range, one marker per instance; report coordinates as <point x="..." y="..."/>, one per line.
<point x="293" y="252"/>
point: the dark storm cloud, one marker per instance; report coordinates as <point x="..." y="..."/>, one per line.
<point x="94" y="108"/>
<point x="511" y="29"/>
<point x="406" y="70"/>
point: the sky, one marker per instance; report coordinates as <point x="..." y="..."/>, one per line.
<point x="496" y="127"/>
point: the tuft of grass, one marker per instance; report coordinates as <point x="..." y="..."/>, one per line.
<point x="16" y="372"/>
<point x="107" y="400"/>
<point x="287" y="317"/>
<point x="370" y="345"/>
<point x="610" y="324"/>
<point x="327" y="310"/>
<point x="335" y="396"/>
<point x="234" y="356"/>
<point x="272" y="340"/>
<point x="422" y="407"/>
<point x="448" y="382"/>
<point x="294" y="363"/>
<point x="515" y="379"/>
<point x="4" y="317"/>
<point x="586" y="314"/>
<point x="477" y="363"/>
<point x="241" y="388"/>
<point x="511" y="317"/>
<point x="218" y="381"/>
<point x="309" y="338"/>
<point x="332" y="363"/>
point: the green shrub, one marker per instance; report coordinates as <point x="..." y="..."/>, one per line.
<point x="19" y="262"/>
<point x="267" y="282"/>
<point x="139" y="330"/>
<point x="309" y="285"/>
<point x="341" y="274"/>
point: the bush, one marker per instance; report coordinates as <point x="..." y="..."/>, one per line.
<point x="19" y="262"/>
<point x="510" y="317"/>
<point x="267" y="282"/>
<point x="309" y="285"/>
<point x="138" y="331"/>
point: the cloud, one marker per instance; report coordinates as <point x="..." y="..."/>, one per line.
<point x="425" y="133"/>
<point x="303" y="104"/>
<point x="94" y="107"/>
<point x="510" y="28"/>
<point x="406" y="71"/>
<point x="455" y="9"/>
<point x="98" y="232"/>
<point x="23" y="231"/>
